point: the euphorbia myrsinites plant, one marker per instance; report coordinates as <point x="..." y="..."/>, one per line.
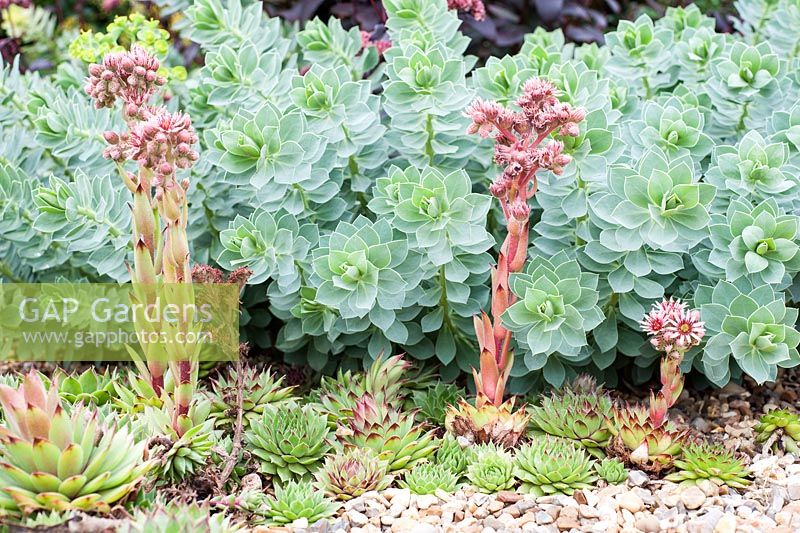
<point x="523" y="147"/>
<point x="160" y="142"/>
<point x="673" y="329"/>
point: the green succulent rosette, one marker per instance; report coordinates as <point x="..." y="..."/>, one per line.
<point x="491" y="469"/>
<point x="550" y="465"/>
<point x="429" y="478"/>
<point x="290" y="441"/>
<point x="760" y="243"/>
<point x="557" y="306"/>
<point x="750" y="330"/>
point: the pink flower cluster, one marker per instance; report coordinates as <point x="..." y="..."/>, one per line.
<point x="519" y="135"/>
<point x="673" y="327"/>
<point x="473" y="7"/>
<point x="160" y="143"/>
<point x="21" y="3"/>
<point x="129" y="76"/>
<point x="381" y="45"/>
<point x="156" y="138"/>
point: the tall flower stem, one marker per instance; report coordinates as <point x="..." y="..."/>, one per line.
<point x="523" y="149"/>
<point x="160" y="143"/>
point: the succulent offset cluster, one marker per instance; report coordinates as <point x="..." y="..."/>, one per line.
<point x="779" y="430"/>
<point x="181" y="453"/>
<point x="349" y="474"/>
<point x="171" y="517"/>
<point x="260" y="389"/>
<point x="383" y="381"/>
<point x="453" y="455"/>
<point x="391" y="433"/>
<point x="428" y="478"/>
<point x="294" y="500"/>
<point x="486" y="422"/>
<point x="612" y="471"/>
<point x="548" y="465"/>
<point x="714" y="462"/>
<point x="55" y="458"/>
<point x="290" y="441"/>
<point x="641" y="442"/>
<point x="434" y="401"/>
<point x="491" y="469"/>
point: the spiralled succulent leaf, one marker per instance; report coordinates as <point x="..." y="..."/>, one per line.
<point x="749" y="327"/>
<point x="549" y="465"/>
<point x="714" y="462"/>
<point x="428" y="478"/>
<point x="491" y="469"/>
<point x="557" y="306"/>
<point x="290" y="441"/>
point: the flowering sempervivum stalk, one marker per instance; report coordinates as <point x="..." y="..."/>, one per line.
<point x="160" y="142"/>
<point x="522" y="149"/>
<point x="673" y="329"/>
<point x="473" y="7"/>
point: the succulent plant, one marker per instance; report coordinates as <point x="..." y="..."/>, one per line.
<point x="749" y="327"/>
<point x="290" y="441"/>
<point x="172" y="517"/>
<point x="87" y="387"/>
<point x="485" y="422"/>
<point x="55" y="459"/>
<point x="134" y="394"/>
<point x="754" y="170"/>
<point x="297" y="499"/>
<point x="712" y="461"/>
<point x="260" y="388"/>
<point x="659" y="202"/>
<point x="383" y="381"/>
<point x="179" y="456"/>
<point x="364" y="269"/>
<point x="639" y="442"/>
<point x="549" y="465"/>
<point x="428" y="478"/>
<point x="759" y="242"/>
<point x="390" y="433"/>
<point x="440" y="211"/>
<point x="491" y="468"/>
<point x="612" y="470"/>
<point x="351" y="473"/>
<point x="579" y="416"/>
<point x="557" y="305"/>
<point x="434" y="401"/>
<point x="451" y="454"/>
<point x="779" y="430"/>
